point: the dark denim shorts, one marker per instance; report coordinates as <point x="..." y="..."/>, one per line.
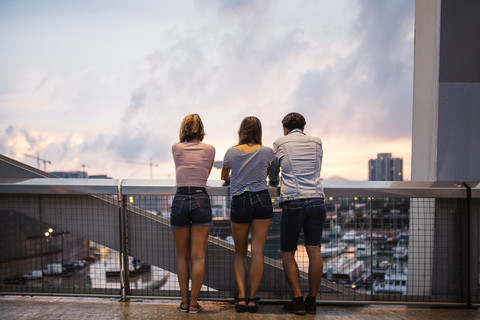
<point x="306" y="214"/>
<point x="191" y="206"/>
<point x="251" y="205"/>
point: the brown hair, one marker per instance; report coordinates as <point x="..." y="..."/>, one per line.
<point x="191" y="128"/>
<point x="250" y="131"/>
<point x="293" y="121"/>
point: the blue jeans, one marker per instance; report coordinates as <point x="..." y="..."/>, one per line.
<point x="251" y="205"/>
<point x="306" y="214"/>
<point x="190" y="206"/>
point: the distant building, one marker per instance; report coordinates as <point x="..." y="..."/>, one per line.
<point x="78" y="175"/>
<point x="99" y="176"/>
<point x="397" y="169"/>
<point x="71" y="174"/>
<point x="385" y="168"/>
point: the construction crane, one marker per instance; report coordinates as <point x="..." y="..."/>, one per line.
<point x="38" y="161"/>
<point x="83" y="169"/>
<point x="151" y="164"/>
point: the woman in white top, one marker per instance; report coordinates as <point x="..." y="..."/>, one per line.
<point x="249" y="163"/>
<point x="191" y="214"/>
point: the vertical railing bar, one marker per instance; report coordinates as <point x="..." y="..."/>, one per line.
<point x="371" y="247"/>
<point x="468" y="241"/>
<point x="41" y="238"/>
<point x="126" y="263"/>
<point x="121" y="205"/>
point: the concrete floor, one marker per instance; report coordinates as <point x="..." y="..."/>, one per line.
<point x="15" y="307"/>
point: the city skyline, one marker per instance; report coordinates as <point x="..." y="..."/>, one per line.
<point x="385" y="168"/>
<point x="100" y="86"/>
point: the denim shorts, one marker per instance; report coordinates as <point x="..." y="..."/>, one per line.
<point x="306" y="214"/>
<point x="251" y="205"/>
<point x="191" y="206"/>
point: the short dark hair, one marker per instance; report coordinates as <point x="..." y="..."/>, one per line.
<point x="250" y="131"/>
<point x="191" y="128"/>
<point x="293" y="121"/>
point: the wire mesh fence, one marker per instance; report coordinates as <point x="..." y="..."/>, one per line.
<point x="51" y="243"/>
<point x="375" y="249"/>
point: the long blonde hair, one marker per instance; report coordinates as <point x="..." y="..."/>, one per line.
<point x="191" y="128"/>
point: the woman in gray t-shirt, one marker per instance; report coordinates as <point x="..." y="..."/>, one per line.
<point x="249" y="163"/>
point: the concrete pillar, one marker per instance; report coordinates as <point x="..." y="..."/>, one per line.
<point x="446" y="94"/>
<point x="446" y="116"/>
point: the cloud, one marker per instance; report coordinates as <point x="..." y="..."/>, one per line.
<point x="350" y="75"/>
<point x="385" y="56"/>
<point x="14" y="142"/>
<point x="368" y="91"/>
<point x="240" y="10"/>
<point x="241" y="63"/>
<point x="137" y="102"/>
<point x="130" y="144"/>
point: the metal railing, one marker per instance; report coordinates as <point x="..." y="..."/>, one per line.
<point x="384" y="242"/>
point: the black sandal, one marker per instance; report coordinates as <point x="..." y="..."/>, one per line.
<point x="195" y="309"/>
<point x="241" y="308"/>
<point x="254" y="308"/>
<point x="182" y="309"/>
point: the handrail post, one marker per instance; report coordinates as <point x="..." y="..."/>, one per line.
<point x="41" y="238"/>
<point x="371" y="246"/>
<point x="124" y="274"/>
<point x="465" y="227"/>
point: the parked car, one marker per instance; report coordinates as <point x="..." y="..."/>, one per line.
<point x="68" y="267"/>
<point x="89" y="259"/>
<point x="53" y="269"/>
<point x="78" y="264"/>
<point x="35" y="274"/>
<point x="17" y="279"/>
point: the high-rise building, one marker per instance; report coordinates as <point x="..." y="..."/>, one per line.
<point x="397" y="169"/>
<point x="385" y="168"/>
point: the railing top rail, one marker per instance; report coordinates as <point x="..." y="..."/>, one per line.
<point x="395" y="189"/>
<point x="59" y="186"/>
<point x="380" y="189"/>
<point x="475" y="188"/>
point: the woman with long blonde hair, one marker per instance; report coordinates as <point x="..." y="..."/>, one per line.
<point x="191" y="213"/>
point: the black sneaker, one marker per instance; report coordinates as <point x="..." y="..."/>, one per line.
<point x="310" y="305"/>
<point x="296" y="306"/>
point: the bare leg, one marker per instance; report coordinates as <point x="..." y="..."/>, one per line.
<point x="259" y="237"/>
<point x="240" y="238"/>
<point x="291" y="271"/>
<point x="315" y="269"/>
<point x="182" y="241"/>
<point x="198" y="245"/>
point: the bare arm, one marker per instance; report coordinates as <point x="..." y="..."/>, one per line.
<point x="211" y="166"/>
<point x="213" y="161"/>
<point x="225" y="174"/>
<point x="274" y="169"/>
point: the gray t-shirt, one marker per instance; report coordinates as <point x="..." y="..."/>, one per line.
<point x="249" y="169"/>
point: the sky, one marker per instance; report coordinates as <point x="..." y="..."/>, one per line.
<point x="103" y="85"/>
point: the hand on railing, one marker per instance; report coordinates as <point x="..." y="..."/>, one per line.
<point x="273" y="183"/>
